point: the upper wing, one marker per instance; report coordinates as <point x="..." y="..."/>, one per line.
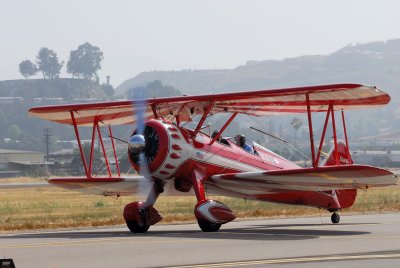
<point x="257" y="103"/>
<point x="306" y="179"/>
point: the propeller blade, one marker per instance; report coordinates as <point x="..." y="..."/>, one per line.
<point x="138" y="143"/>
<point x="145" y="185"/>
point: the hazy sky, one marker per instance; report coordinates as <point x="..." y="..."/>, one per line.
<point x="146" y="35"/>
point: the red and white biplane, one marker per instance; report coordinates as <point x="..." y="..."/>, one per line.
<point x="164" y="151"/>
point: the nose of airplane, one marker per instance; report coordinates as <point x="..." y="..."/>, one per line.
<point x="137" y="143"/>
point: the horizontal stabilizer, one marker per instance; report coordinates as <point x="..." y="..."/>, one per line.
<point x="305" y="179"/>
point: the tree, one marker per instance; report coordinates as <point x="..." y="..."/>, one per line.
<point x="48" y="63"/>
<point x="85" y="61"/>
<point x="108" y="89"/>
<point x="14" y="131"/>
<point x="27" y="68"/>
<point x="152" y="90"/>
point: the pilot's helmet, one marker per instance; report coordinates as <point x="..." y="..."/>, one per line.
<point x="214" y="133"/>
<point x="240" y="139"/>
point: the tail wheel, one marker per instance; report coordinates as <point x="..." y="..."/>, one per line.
<point x="207" y="226"/>
<point x="135" y="227"/>
<point x="335" y="218"/>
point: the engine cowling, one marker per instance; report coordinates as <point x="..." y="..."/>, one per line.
<point x="155" y="147"/>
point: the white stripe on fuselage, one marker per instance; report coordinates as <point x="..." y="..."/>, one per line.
<point x="218" y="160"/>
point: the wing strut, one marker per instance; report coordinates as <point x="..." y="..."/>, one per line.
<point x="104" y="150"/>
<point x="223" y="128"/>
<point x="79" y="144"/>
<point x="335" y="136"/>
<point x="323" y="135"/>
<point x="345" y="137"/>
<point x="91" y="158"/>
<point x="203" y="118"/>
<point x="115" y="153"/>
<point x="95" y="128"/>
<point x="330" y="114"/>
<point x="310" y="127"/>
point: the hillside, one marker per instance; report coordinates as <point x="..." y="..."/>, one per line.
<point x="66" y="88"/>
<point x="376" y="63"/>
<point x="18" y="130"/>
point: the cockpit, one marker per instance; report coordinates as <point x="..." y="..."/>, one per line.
<point x="239" y="140"/>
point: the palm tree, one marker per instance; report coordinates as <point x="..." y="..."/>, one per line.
<point x="296" y="123"/>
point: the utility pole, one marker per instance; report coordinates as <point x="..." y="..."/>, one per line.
<point x="47" y="133"/>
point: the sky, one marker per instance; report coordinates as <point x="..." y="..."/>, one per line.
<point x="137" y="36"/>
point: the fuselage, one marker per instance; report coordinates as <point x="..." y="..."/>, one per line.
<point x="179" y="152"/>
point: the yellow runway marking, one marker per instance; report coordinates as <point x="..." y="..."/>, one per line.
<point x="295" y="260"/>
<point x="110" y="241"/>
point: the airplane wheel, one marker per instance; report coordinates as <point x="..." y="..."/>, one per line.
<point x="134" y="227"/>
<point x="207" y="226"/>
<point x="335" y="218"/>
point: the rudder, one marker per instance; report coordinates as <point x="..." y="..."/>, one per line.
<point x="343" y="155"/>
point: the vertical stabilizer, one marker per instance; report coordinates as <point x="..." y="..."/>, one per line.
<point x="341" y="198"/>
<point x="343" y="156"/>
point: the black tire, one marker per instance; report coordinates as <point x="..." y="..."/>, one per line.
<point x="207" y="226"/>
<point x="335" y="218"/>
<point x="134" y="227"/>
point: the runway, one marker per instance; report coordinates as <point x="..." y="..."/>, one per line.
<point x="358" y="241"/>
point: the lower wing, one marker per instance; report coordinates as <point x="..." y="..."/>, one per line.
<point x="305" y="179"/>
<point x="111" y="186"/>
<point x="250" y="183"/>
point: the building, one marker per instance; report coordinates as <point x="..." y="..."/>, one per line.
<point x="48" y="100"/>
<point x="11" y="100"/>
<point x="377" y="158"/>
<point x="16" y="162"/>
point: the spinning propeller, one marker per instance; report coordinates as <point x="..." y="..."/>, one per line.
<point x="141" y="151"/>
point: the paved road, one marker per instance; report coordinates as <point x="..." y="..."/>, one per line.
<point x="359" y="241"/>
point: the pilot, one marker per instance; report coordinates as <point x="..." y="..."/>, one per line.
<point x="241" y="141"/>
<point x="215" y="134"/>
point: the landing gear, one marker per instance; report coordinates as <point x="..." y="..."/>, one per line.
<point x="140" y="215"/>
<point x="135" y="227"/>
<point x="335" y="218"/>
<point x="207" y="226"/>
<point x="210" y="214"/>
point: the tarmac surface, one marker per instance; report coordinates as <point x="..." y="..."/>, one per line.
<point x="358" y="241"/>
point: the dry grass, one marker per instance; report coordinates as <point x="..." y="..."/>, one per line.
<point x="26" y="209"/>
<point x="21" y="180"/>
